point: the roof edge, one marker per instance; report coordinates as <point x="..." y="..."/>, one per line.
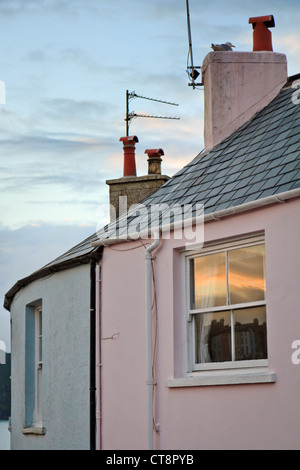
<point x="43" y="272"/>
<point x="218" y="215"/>
<point x="292" y="78"/>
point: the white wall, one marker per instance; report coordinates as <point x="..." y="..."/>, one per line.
<point x="65" y="407"/>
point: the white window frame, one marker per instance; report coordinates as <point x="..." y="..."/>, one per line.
<point x="220" y="248"/>
<point x="222" y="373"/>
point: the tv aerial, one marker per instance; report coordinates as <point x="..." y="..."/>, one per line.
<point x="191" y="69"/>
<point x="132" y="115"/>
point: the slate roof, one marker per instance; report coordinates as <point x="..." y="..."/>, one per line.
<point x="260" y="159"/>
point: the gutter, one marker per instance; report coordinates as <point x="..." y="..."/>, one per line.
<point x="218" y="215"/>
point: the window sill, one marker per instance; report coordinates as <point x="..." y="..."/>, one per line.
<point x="222" y="378"/>
<point x="34" y="431"/>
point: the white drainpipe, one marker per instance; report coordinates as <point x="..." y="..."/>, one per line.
<point x="149" y="380"/>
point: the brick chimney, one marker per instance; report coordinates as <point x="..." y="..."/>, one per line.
<point x="132" y="189"/>
<point x="239" y="84"/>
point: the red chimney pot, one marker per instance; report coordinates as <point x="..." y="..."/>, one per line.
<point x="262" y="37"/>
<point x="129" y="155"/>
<point x="152" y="153"/>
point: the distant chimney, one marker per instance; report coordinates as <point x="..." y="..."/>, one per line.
<point x="154" y="161"/>
<point x="239" y="84"/>
<point x="262" y="36"/>
<point x="132" y="189"/>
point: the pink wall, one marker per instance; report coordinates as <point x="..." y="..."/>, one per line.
<point x="257" y="416"/>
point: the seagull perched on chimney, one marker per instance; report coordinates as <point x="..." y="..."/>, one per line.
<point x="222" y="47"/>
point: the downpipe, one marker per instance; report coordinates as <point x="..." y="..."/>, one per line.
<point x="149" y="379"/>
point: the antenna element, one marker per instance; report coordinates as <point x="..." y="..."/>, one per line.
<point x="130" y="116"/>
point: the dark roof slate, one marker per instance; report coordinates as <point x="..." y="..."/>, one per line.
<point x="261" y="158"/>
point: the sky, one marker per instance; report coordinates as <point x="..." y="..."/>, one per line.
<point x="65" y="66"/>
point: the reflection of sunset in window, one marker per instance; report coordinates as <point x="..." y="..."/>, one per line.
<point x="210" y="281"/>
<point x="246" y="274"/>
<point x="227" y="291"/>
<point x="246" y="277"/>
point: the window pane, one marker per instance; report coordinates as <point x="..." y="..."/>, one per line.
<point x="250" y="334"/>
<point x="209" y="279"/>
<point x="40" y="320"/>
<point x="212" y="337"/>
<point x="246" y="275"/>
<point x="40" y="335"/>
<point x="40" y="357"/>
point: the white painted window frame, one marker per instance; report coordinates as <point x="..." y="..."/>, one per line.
<point x="233" y="372"/>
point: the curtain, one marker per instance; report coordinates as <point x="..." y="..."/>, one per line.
<point x="210" y="291"/>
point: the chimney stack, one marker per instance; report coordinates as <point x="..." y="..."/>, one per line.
<point x="239" y="84"/>
<point x="131" y="189"/>
<point x="154" y="161"/>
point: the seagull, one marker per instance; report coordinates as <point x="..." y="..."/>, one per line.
<point x="222" y="47"/>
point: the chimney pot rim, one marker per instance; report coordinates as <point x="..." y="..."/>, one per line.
<point x="154" y="152"/>
<point x="268" y="20"/>
<point x="128" y="139"/>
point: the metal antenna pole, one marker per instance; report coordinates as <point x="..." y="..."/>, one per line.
<point x="127" y="113"/>
<point x="190" y="42"/>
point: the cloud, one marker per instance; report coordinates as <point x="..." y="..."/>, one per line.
<point x="68" y="56"/>
<point x="291" y="42"/>
<point x="55" y="144"/>
<point x="36" y="55"/>
<point x="74" y="114"/>
<point x="29" y="248"/>
<point x="17" y="7"/>
<point x="75" y="180"/>
<point x="67" y="202"/>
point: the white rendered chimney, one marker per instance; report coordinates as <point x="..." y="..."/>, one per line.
<point x="236" y="86"/>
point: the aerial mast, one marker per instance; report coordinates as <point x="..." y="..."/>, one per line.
<point x="194" y="73"/>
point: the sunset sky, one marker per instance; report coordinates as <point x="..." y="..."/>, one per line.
<point x="66" y="65"/>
